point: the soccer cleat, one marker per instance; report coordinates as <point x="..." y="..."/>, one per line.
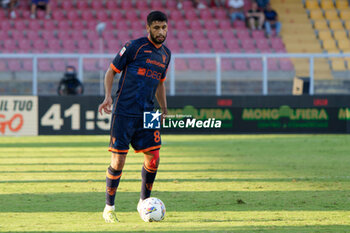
<point x="110" y="216"/>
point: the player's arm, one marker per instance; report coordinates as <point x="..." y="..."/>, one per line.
<point x="161" y="98"/>
<point x="108" y="83"/>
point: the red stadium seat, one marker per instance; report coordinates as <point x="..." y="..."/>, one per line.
<point x="203" y="46"/>
<point x="98" y="5"/>
<point x="142" y="5"/>
<point x="84" y="46"/>
<point x="6" y="25"/>
<point x="255" y="64"/>
<point x="240" y="64"/>
<point x="157" y="4"/>
<point x="228" y="35"/>
<point x="213" y="35"/>
<point x="102" y="15"/>
<point x="187" y="5"/>
<point x="39" y="46"/>
<point x="27" y="65"/>
<point x="64" y="25"/>
<point x="34" y="25"/>
<point x="238" y="24"/>
<point x="181" y="64"/>
<point x="191" y="14"/>
<point x="117" y="15"/>
<point x="131" y="15"/>
<point x="24" y="46"/>
<point x="286" y="64"/>
<point x="82" y="5"/>
<point x="90" y="65"/>
<point x="233" y="45"/>
<point x="173" y="45"/>
<point x="262" y="44"/>
<point x="114" y="45"/>
<point x="210" y="64"/>
<point x="226" y="64"/>
<point x="54" y="46"/>
<point x="32" y="35"/>
<point x="91" y="25"/>
<point x="272" y="64"/>
<point x="170" y="5"/>
<point x="206" y="14"/>
<point x="87" y="15"/>
<point x="77" y="35"/>
<point x="78" y="25"/>
<point x="20" y="25"/>
<point x="67" y="5"/>
<point x="48" y="35"/>
<point x="225" y="25"/>
<point x="44" y="65"/>
<point x="14" y="65"/>
<point x="248" y="44"/>
<point x="122" y="26"/>
<point x="137" y="25"/>
<point x="138" y="34"/>
<point x="188" y="46"/>
<point x="195" y="64"/>
<point x="258" y="34"/>
<point x="198" y="35"/>
<point x="277" y="43"/>
<point x="59" y="65"/>
<point x="16" y="35"/>
<point x="73" y="15"/>
<point x="180" y="25"/>
<point x="111" y="5"/>
<point x="3" y="66"/>
<point x="210" y="25"/>
<point x="196" y="25"/>
<point x="96" y="47"/>
<point x="127" y="5"/>
<point x="183" y="35"/>
<point x="220" y="14"/>
<point x="4" y="35"/>
<point x="176" y="15"/>
<point x="69" y="46"/>
<point x="218" y="46"/>
<point x="50" y="25"/>
<point x="243" y="34"/>
<point x="58" y="15"/>
<point x="107" y="35"/>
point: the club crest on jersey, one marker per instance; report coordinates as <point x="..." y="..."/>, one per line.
<point x="122" y="51"/>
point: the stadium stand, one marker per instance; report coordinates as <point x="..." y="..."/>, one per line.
<point x="72" y="29"/>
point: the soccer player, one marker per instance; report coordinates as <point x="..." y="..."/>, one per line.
<point x="143" y="63"/>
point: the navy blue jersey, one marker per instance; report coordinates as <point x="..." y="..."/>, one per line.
<point x="143" y="66"/>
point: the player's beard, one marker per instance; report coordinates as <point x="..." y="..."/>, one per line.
<point x="157" y="39"/>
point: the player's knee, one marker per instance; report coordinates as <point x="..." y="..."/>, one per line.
<point x="154" y="162"/>
<point x="118" y="161"/>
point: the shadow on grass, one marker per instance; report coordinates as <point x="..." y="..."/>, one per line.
<point x="181" y="201"/>
<point x="277" y="229"/>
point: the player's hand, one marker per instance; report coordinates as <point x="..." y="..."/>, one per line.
<point x="164" y="113"/>
<point x="106" y="106"/>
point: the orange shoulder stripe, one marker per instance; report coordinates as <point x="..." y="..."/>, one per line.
<point x="139" y="49"/>
<point x="114" y="68"/>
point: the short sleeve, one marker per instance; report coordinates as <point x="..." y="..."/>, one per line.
<point x="123" y="58"/>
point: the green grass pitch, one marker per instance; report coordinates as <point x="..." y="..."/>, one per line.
<point x="221" y="183"/>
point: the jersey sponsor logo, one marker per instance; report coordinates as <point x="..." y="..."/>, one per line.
<point x="149" y="73"/>
<point x="153" y="62"/>
<point x="141" y="71"/>
<point x="122" y="51"/>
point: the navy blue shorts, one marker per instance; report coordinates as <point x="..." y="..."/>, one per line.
<point x="126" y="130"/>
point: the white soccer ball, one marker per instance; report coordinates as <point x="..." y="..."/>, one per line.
<point x="152" y="210"/>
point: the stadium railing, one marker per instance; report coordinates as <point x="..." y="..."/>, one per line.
<point x="218" y="57"/>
